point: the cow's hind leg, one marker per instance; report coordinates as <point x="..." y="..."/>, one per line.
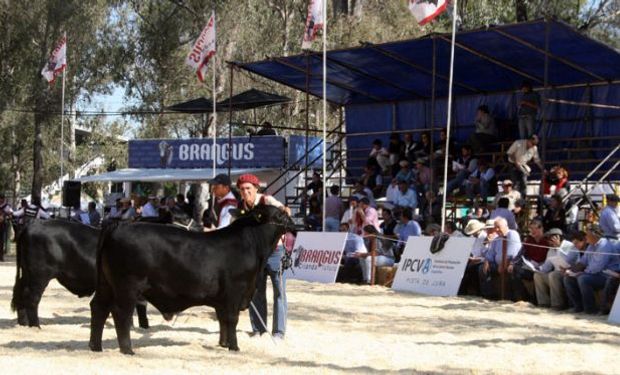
<point x="122" y="312"/>
<point x="33" y="298"/>
<point x="221" y="318"/>
<point x="100" y="307"/>
<point x="22" y="317"/>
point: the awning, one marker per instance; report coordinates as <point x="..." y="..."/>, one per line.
<point x="198" y="105"/>
<point x="166" y="174"/>
<point x="250" y="99"/>
<point x="487" y="60"/>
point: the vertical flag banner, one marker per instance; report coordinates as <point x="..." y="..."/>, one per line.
<point x="203" y="49"/>
<point x="425" y="11"/>
<point x="314" y="22"/>
<point x="57" y="61"/>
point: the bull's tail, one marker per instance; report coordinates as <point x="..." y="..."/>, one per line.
<point x="107" y="227"/>
<point x="21" y="273"/>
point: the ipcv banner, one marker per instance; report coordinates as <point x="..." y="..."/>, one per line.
<point x="316" y="256"/>
<point x="438" y="274"/>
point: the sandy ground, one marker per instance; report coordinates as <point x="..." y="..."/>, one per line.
<point x="332" y="329"/>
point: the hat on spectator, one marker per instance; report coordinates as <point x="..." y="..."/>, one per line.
<point x="248" y="177"/>
<point x="554" y="232"/>
<point x="354" y="198"/>
<point x="220" y="179"/>
<point x="403" y="163"/>
<point x="612" y="198"/>
<point x="507" y="182"/>
<point x="472" y="227"/>
<point x="489" y="224"/>
<point x="595" y="229"/>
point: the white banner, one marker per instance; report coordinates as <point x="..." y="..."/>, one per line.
<point x="203" y="49"/>
<point x="57" y="61"/>
<point x="314" y="22"/>
<point x="425" y="10"/>
<point x="316" y="256"/>
<point x="614" y="314"/>
<point x="438" y="274"/>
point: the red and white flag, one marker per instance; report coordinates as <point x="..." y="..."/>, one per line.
<point x="203" y="49"/>
<point x="314" y="22"/>
<point x="426" y="10"/>
<point x="57" y="61"/>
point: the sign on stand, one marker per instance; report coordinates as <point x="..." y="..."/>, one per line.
<point x="316" y="256"/>
<point x="614" y="314"/>
<point x="439" y="274"/>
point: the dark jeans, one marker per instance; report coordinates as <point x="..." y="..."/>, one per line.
<point x="519" y="291"/>
<point x="519" y="179"/>
<point x="278" y="282"/>
<point x="580" y="290"/>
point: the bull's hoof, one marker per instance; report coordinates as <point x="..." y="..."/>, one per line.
<point x="144" y="325"/>
<point x="224" y="344"/>
<point x="233" y="348"/>
<point x="22" y="318"/>
<point x="127" y="351"/>
<point x="95" y="347"/>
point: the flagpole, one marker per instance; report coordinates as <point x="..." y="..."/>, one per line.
<point x="445" y="167"/>
<point x="324" y="111"/>
<point x="62" y="128"/>
<point x="214" y="94"/>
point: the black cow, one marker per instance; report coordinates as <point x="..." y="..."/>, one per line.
<point x="55" y="249"/>
<point x="175" y="269"/>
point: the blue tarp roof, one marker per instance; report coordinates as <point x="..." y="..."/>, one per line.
<point x="489" y="60"/>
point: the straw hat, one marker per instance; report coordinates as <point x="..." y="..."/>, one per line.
<point x="489" y="224"/>
<point x="473" y="226"/>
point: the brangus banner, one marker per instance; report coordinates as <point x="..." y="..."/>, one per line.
<point x="316" y="256"/>
<point x="438" y="274"/>
<point x="246" y="152"/>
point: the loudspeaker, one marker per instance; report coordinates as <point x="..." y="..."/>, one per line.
<point x="71" y="193"/>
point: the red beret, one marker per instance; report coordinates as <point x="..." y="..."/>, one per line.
<point x="248" y="178"/>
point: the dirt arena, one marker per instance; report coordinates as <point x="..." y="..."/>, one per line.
<point x="332" y="329"/>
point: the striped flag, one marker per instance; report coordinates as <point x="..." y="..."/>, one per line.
<point x="314" y="23"/>
<point x="426" y="10"/>
<point x="203" y="49"/>
<point x="57" y="61"/>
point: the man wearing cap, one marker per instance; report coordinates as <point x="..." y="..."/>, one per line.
<point x="248" y="185"/>
<point x="587" y="276"/>
<point x="508" y="192"/>
<point x="520" y="153"/>
<point x="493" y="265"/>
<point x="405" y="173"/>
<point x="150" y="208"/>
<point x="224" y="199"/>
<point x="5" y="214"/>
<point x="609" y="221"/>
<point x="549" y="281"/>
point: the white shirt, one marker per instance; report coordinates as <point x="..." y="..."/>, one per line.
<point x="479" y="248"/>
<point x="407" y="199"/>
<point x="346" y="217"/>
<point x="225" y="216"/>
<point x="148" y="210"/>
<point x="518" y="153"/>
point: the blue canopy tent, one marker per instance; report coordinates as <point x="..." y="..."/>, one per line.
<point x="402" y="86"/>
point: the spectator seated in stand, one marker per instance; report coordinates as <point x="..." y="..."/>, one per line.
<point x="508" y="192"/>
<point x="493" y="266"/>
<point x="391" y="193"/>
<point x="587" y="276"/>
<point x="361" y="191"/>
<point x="562" y="255"/>
<point x="373" y="180"/>
<point x="610" y="220"/>
<point x="406" y="196"/>
<point x="422" y="149"/>
<point x="503" y="211"/>
<point x="463" y="167"/>
<point x="476" y="229"/>
<point x="407" y="227"/>
<point x="534" y="250"/>
<point x="408" y="147"/>
<point x="556" y="181"/>
<point x="314" y="219"/>
<point x="384" y="257"/>
<point x="440" y="147"/>
<point x="431" y="208"/>
<point x="395" y="149"/>
<point x="482" y="182"/>
<point x="405" y="173"/>
<point x="379" y="156"/>
<point x="371" y="216"/>
<point x="347" y="216"/>
<point x="423" y="176"/>
<point x="486" y="131"/>
<point x="555" y="217"/>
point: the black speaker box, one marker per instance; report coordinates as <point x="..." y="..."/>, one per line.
<point x="71" y="193"/>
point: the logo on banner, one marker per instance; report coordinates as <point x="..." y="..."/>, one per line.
<point x="418" y="265"/>
<point x="166" y="152"/>
<point x="310" y="259"/>
<point x="316" y="256"/>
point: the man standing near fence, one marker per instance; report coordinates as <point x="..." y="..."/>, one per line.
<point x="5" y="216"/>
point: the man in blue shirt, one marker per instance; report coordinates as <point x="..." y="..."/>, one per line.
<point x="587" y="276"/>
<point x="493" y="265"/>
<point x="407" y="227"/>
<point x="609" y="221"/>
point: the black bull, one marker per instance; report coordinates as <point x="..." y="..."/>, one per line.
<point x="55" y="249"/>
<point x="174" y="270"/>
